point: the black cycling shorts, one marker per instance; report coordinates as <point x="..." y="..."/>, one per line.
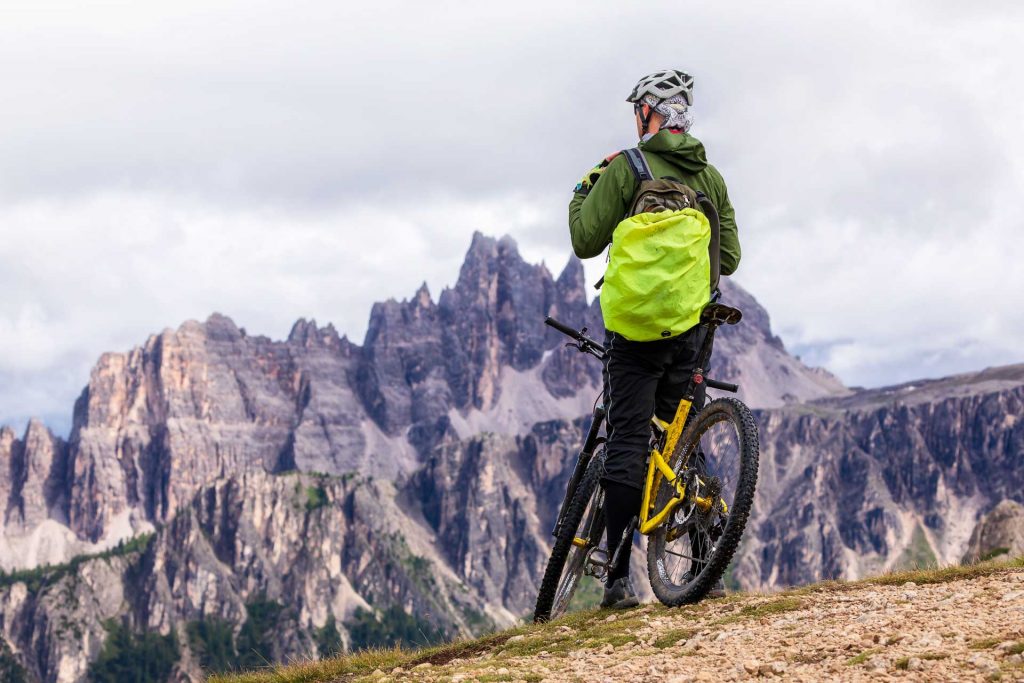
<point x="644" y="379"/>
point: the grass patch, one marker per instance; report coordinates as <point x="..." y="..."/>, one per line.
<point x="986" y="643"/>
<point x="366" y="662"/>
<point x="903" y="663"/>
<point x="613" y="639"/>
<point x="765" y="609"/>
<point x="670" y="638"/>
<point x="600" y="630"/>
<point x="944" y="574"/>
<point x="1016" y="649"/>
<point x="863" y="656"/>
<point x="918" y="576"/>
<point x="555" y="644"/>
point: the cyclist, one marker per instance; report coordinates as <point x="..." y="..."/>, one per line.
<point x="645" y="378"/>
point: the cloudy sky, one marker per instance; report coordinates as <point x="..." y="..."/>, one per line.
<point x="161" y="161"/>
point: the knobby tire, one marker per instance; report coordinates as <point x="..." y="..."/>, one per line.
<point x="552" y="580"/>
<point x="719" y="410"/>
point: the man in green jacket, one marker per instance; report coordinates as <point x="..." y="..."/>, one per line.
<point x="644" y="378"/>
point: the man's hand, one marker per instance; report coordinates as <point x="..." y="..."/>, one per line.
<point x="591" y="177"/>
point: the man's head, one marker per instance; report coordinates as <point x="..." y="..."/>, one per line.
<point x="662" y="100"/>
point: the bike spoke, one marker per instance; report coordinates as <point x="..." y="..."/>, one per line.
<point x="686" y="557"/>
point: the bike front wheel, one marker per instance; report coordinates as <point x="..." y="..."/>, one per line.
<point x="717" y="457"/>
<point x="579" y="534"/>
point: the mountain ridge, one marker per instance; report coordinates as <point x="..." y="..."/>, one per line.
<point x="422" y="470"/>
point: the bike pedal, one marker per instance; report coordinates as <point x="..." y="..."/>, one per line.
<point x="597" y="564"/>
<point x="598" y="557"/>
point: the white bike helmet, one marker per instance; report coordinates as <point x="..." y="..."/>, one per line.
<point x="663" y="84"/>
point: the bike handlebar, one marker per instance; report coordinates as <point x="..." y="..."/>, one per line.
<point x="586" y="343"/>
<point x="561" y="327"/>
<point x="723" y="386"/>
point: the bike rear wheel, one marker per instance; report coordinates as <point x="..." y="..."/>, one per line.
<point x="579" y="533"/>
<point x="717" y="455"/>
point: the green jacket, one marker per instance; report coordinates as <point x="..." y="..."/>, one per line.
<point x="593" y="217"/>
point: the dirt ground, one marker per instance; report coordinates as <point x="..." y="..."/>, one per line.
<point x="961" y="630"/>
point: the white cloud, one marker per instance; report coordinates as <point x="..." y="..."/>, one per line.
<point x="161" y="161"/>
<point x="101" y="274"/>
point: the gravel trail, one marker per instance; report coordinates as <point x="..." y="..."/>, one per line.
<point x="961" y="630"/>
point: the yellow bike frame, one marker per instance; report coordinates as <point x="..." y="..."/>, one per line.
<point x="657" y="468"/>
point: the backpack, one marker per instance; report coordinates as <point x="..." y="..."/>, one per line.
<point x="663" y="262"/>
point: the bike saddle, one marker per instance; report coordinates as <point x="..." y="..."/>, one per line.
<point x="720" y="314"/>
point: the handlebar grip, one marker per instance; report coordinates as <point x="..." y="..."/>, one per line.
<point x="564" y="329"/>
<point x="723" y="386"/>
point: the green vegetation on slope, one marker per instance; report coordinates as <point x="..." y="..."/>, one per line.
<point x="391" y="627"/>
<point x="219" y="652"/>
<point x="139" y="658"/>
<point x="328" y="639"/>
<point x="919" y="554"/>
<point x="40" y="577"/>
<point x="994" y="553"/>
<point x="255" y="640"/>
<point x="316" y="497"/>
<point x="212" y="640"/>
<point x="11" y="671"/>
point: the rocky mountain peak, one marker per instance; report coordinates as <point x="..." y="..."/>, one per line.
<point x="155" y="422"/>
<point x="306" y="333"/>
<point x="32" y="475"/>
<point x="7" y="437"/>
<point x="572" y="275"/>
<point x="219" y="327"/>
<point x="422" y="297"/>
<point x="303" y="332"/>
<point x="571" y="286"/>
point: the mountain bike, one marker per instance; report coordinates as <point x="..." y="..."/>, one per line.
<point x="701" y="474"/>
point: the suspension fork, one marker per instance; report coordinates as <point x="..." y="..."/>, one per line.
<point x="582" y="462"/>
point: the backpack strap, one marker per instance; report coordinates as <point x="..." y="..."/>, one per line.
<point x="638" y="164"/>
<point x="707" y="207"/>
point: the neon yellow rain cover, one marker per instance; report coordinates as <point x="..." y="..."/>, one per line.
<point x="659" y="274"/>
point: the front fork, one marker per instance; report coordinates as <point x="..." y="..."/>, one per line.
<point x="582" y="462"/>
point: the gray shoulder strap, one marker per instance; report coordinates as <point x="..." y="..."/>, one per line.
<point x="638" y="164"/>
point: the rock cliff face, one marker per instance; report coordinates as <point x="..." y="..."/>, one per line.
<point x="883" y="479"/>
<point x="421" y="472"/>
<point x="999" y="534"/>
